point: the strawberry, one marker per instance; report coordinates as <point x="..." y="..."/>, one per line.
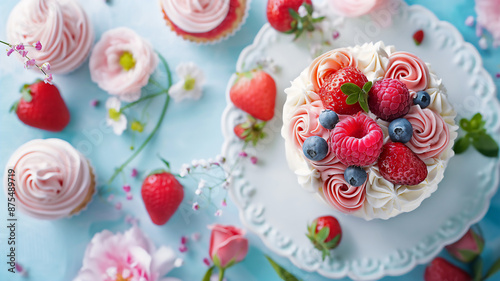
<point x="41" y="106"/>
<point x="399" y="165"/>
<point x="325" y="233"/>
<point x="283" y="15"/>
<point x="255" y="93"/>
<point x="250" y="131"/>
<point x="340" y="87"/>
<point x="441" y="270"/>
<point x="418" y="37"/>
<point x="162" y="194"/>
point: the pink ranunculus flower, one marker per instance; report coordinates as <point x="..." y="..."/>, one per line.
<point x="488" y="16"/>
<point x="227" y="245"/>
<point x="127" y="256"/>
<point x="469" y="247"/>
<point x="122" y="62"/>
<point x="355" y="8"/>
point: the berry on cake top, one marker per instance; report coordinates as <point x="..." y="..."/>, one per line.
<point x="386" y="122"/>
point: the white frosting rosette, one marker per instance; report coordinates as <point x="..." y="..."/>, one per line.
<point x="432" y="140"/>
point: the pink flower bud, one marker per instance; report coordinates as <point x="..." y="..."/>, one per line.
<point x="206" y="261"/>
<point x="335" y="34"/>
<point x="469" y="21"/>
<point x="243" y="154"/>
<point x="468" y="247"/>
<point x="134" y="173"/>
<point x="126" y="188"/>
<point x="23" y="53"/>
<point x="10" y="51"/>
<point x="48" y="79"/>
<point x="196" y="207"/>
<point x="19" y="47"/>
<point x="46" y="66"/>
<point x="29" y="63"/>
<point x="183" y="248"/>
<point x="118" y="205"/>
<point x="498" y="75"/>
<point x="129" y="196"/>
<point x="224" y="203"/>
<point x="94" y="103"/>
<point x="38" y="46"/>
<point x="184" y="240"/>
<point x="254" y="160"/>
<point x="227" y="245"/>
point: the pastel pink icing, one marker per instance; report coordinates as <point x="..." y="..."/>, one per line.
<point x="409" y="69"/>
<point x="62" y="27"/>
<point x="305" y="123"/>
<point x="105" y="68"/>
<point x="196" y="16"/>
<point x="328" y="63"/>
<point x="354" y="8"/>
<point x="431" y="135"/>
<point x="52" y="178"/>
<point x="338" y="193"/>
<point x="488" y="16"/>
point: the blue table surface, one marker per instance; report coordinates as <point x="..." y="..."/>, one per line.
<point x="53" y="251"/>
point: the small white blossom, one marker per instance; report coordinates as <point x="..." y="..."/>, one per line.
<point x="184" y="170"/>
<point x="190" y="84"/>
<point x="302" y="11"/>
<point x="220" y="159"/>
<point x="204" y="163"/>
<point x="115" y="118"/>
<point x="218" y="213"/>
<point x="195" y="163"/>
<point x="483" y="43"/>
<point x="198" y="191"/>
<point x="202" y="184"/>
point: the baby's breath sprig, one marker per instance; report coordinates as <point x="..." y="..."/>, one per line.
<point x="22" y="50"/>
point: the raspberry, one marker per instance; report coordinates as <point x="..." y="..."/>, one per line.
<point x="389" y="99"/>
<point x="399" y="165"/>
<point x="331" y="95"/>
<point x="357" y="140"/>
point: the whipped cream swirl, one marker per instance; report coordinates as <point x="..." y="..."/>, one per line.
<point x="52" y="178"/>
<point x="62" y="26"/>
<point x="196" y="16"/>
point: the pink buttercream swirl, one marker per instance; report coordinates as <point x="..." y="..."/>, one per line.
<point x="60" y="25"/>
<point x="329" y="63"/>
<point x="305" y="123"/>
<point x="354" y="8"/>
<point x="431" y="135"/>
<point x="409" y="69"/>
<point x="338" y="193"/>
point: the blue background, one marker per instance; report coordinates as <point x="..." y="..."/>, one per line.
<point x="53" y="251"/>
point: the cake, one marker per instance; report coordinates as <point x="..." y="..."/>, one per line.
<point x="204" y="21"/>
<point x="62" y="26"/>
<point x="52" y="179"/>
<point x="368" y="152"/>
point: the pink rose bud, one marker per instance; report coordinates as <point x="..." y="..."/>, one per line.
<point x="228" y="246"/>
<point x="468" y="247"/>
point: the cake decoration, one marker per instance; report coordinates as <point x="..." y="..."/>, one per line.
<point x="292" y="16"/>
<point x="325" y="233"/>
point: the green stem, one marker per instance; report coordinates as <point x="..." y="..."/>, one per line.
<point x="162" y="116"/>
<point x="221" y="274"/>
<point x="164" y="91"/>
<point x="5" y="43"/>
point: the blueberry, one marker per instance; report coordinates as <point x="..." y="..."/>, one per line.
<point x="423" y="99"/>
<point x="355" y="176"/>
<point x="315" y="148"/>
<point x="328" y="119"/>
<point x="400" y="130"/>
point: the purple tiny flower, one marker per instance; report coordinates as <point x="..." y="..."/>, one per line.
<point x="48" y="79"/>
<point x="224" y="203"/>
<point x="184" y="240"/>
<point x="196" y="207"/>
<point x="335" y="34"/>
<point x="94" y="103"/>
<point x="21" y="270"/>
<point x="183" y="248"/>
<point x="20" y="47"/>
<point x="46" y="66"/>
<point x="29" y="64"/>
<point x="131" y="220"/>
<point x="254" y="160"/>
<point x="218" y="213"/>
<point x="111" y="197"/>
<point x="126" y="188"/>
<point x="129" y="196"/>
<point x="469" y="21"/>
<point x="10" y="51"/>
<point x="498" y="75"/>
<point x="38" y="46"/>
<point x="134" y="173"/>
<point x="23" y="53"/>
<point x="118" y="205"/>
<point x="206" y="261"/>
<point x="196" y="236"/>
<point x="479" y="30"/>
<point x="243" y="154"/>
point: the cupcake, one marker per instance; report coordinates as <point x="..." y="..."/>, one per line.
<point x="204" y="21"/>
<point x="61" y="26"/>
<point x="52" y="179"/>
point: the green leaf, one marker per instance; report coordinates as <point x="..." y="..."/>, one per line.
<point x="294" y="14"/>
<point x="316" y="20"/>
<point x="26" y="93"/>
<point x="479" y="241"/>
<point x="309" y="8"/>
<point x="312" y="228"/>
<point x="367" y="86"/>
<point x="282" y="273"/>
<point x="350" y="89"/>
<point x="476" y="122"/>
<point x="298" y="33"/>
<point x="465" y="125"/>
<point x="467" y="255"/>
<point x="333" y="242"/>
<point x="323" y="234"/>
<point x="461" y="145"/>
<point x="364" y="103"/>
<point x="352" y="99"/>
<point x="208" y="274"/>
<point x="477" y="268"/>
<point x="14" y="106"/>
<point x="493" y="270"/>
<point x="164" y="161"/>
<point x="485" y="144"/>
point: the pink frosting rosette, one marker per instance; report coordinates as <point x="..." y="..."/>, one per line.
<point x="488" y="16"/>
<point x="431" y="135"/>
<point x="62" y="26"/>
<point x="329" y="63"/>
<point x="338" y="193"/>
<point x="305" y="123"/>
<point x="354" y="8"/>
<point x="122" y="62"/>
<point x="409" y="69"/>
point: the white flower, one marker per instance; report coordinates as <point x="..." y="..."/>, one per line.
<point x="115" y="118"/>
<point x="195" y="163"/>
<point x="204" y="163"/>
<point x="184" y="170"/>
<point x="198" y="191"/>
<point x="190" y="83"/>
<point x="202" y="184"/>
<point x="218" y="213"/>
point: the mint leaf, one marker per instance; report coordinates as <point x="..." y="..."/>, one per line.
<point x="485" y="144"/>
<point x="352" y="99"/>
<point x="461" y="145"/>
<point x="493" y="270"/>
<point x="350" y="89"/>
<point x="465" y="125"/>
<point x="476" y="122"/>
<point x="208" y="274"/>
<point x="367" y="87"/>
<point x="477" y="268"/>
<point x="282" y="273"/>
<point x="363" y="102"/>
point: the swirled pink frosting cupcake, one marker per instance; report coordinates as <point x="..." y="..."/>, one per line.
<point x="52" y="179"/>
<point x="431" y="141"/>
<point x="354" y="8"/>
<point x="62" y="26"/>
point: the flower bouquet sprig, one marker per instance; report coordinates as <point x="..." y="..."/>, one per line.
<point x="23" y="51"/>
